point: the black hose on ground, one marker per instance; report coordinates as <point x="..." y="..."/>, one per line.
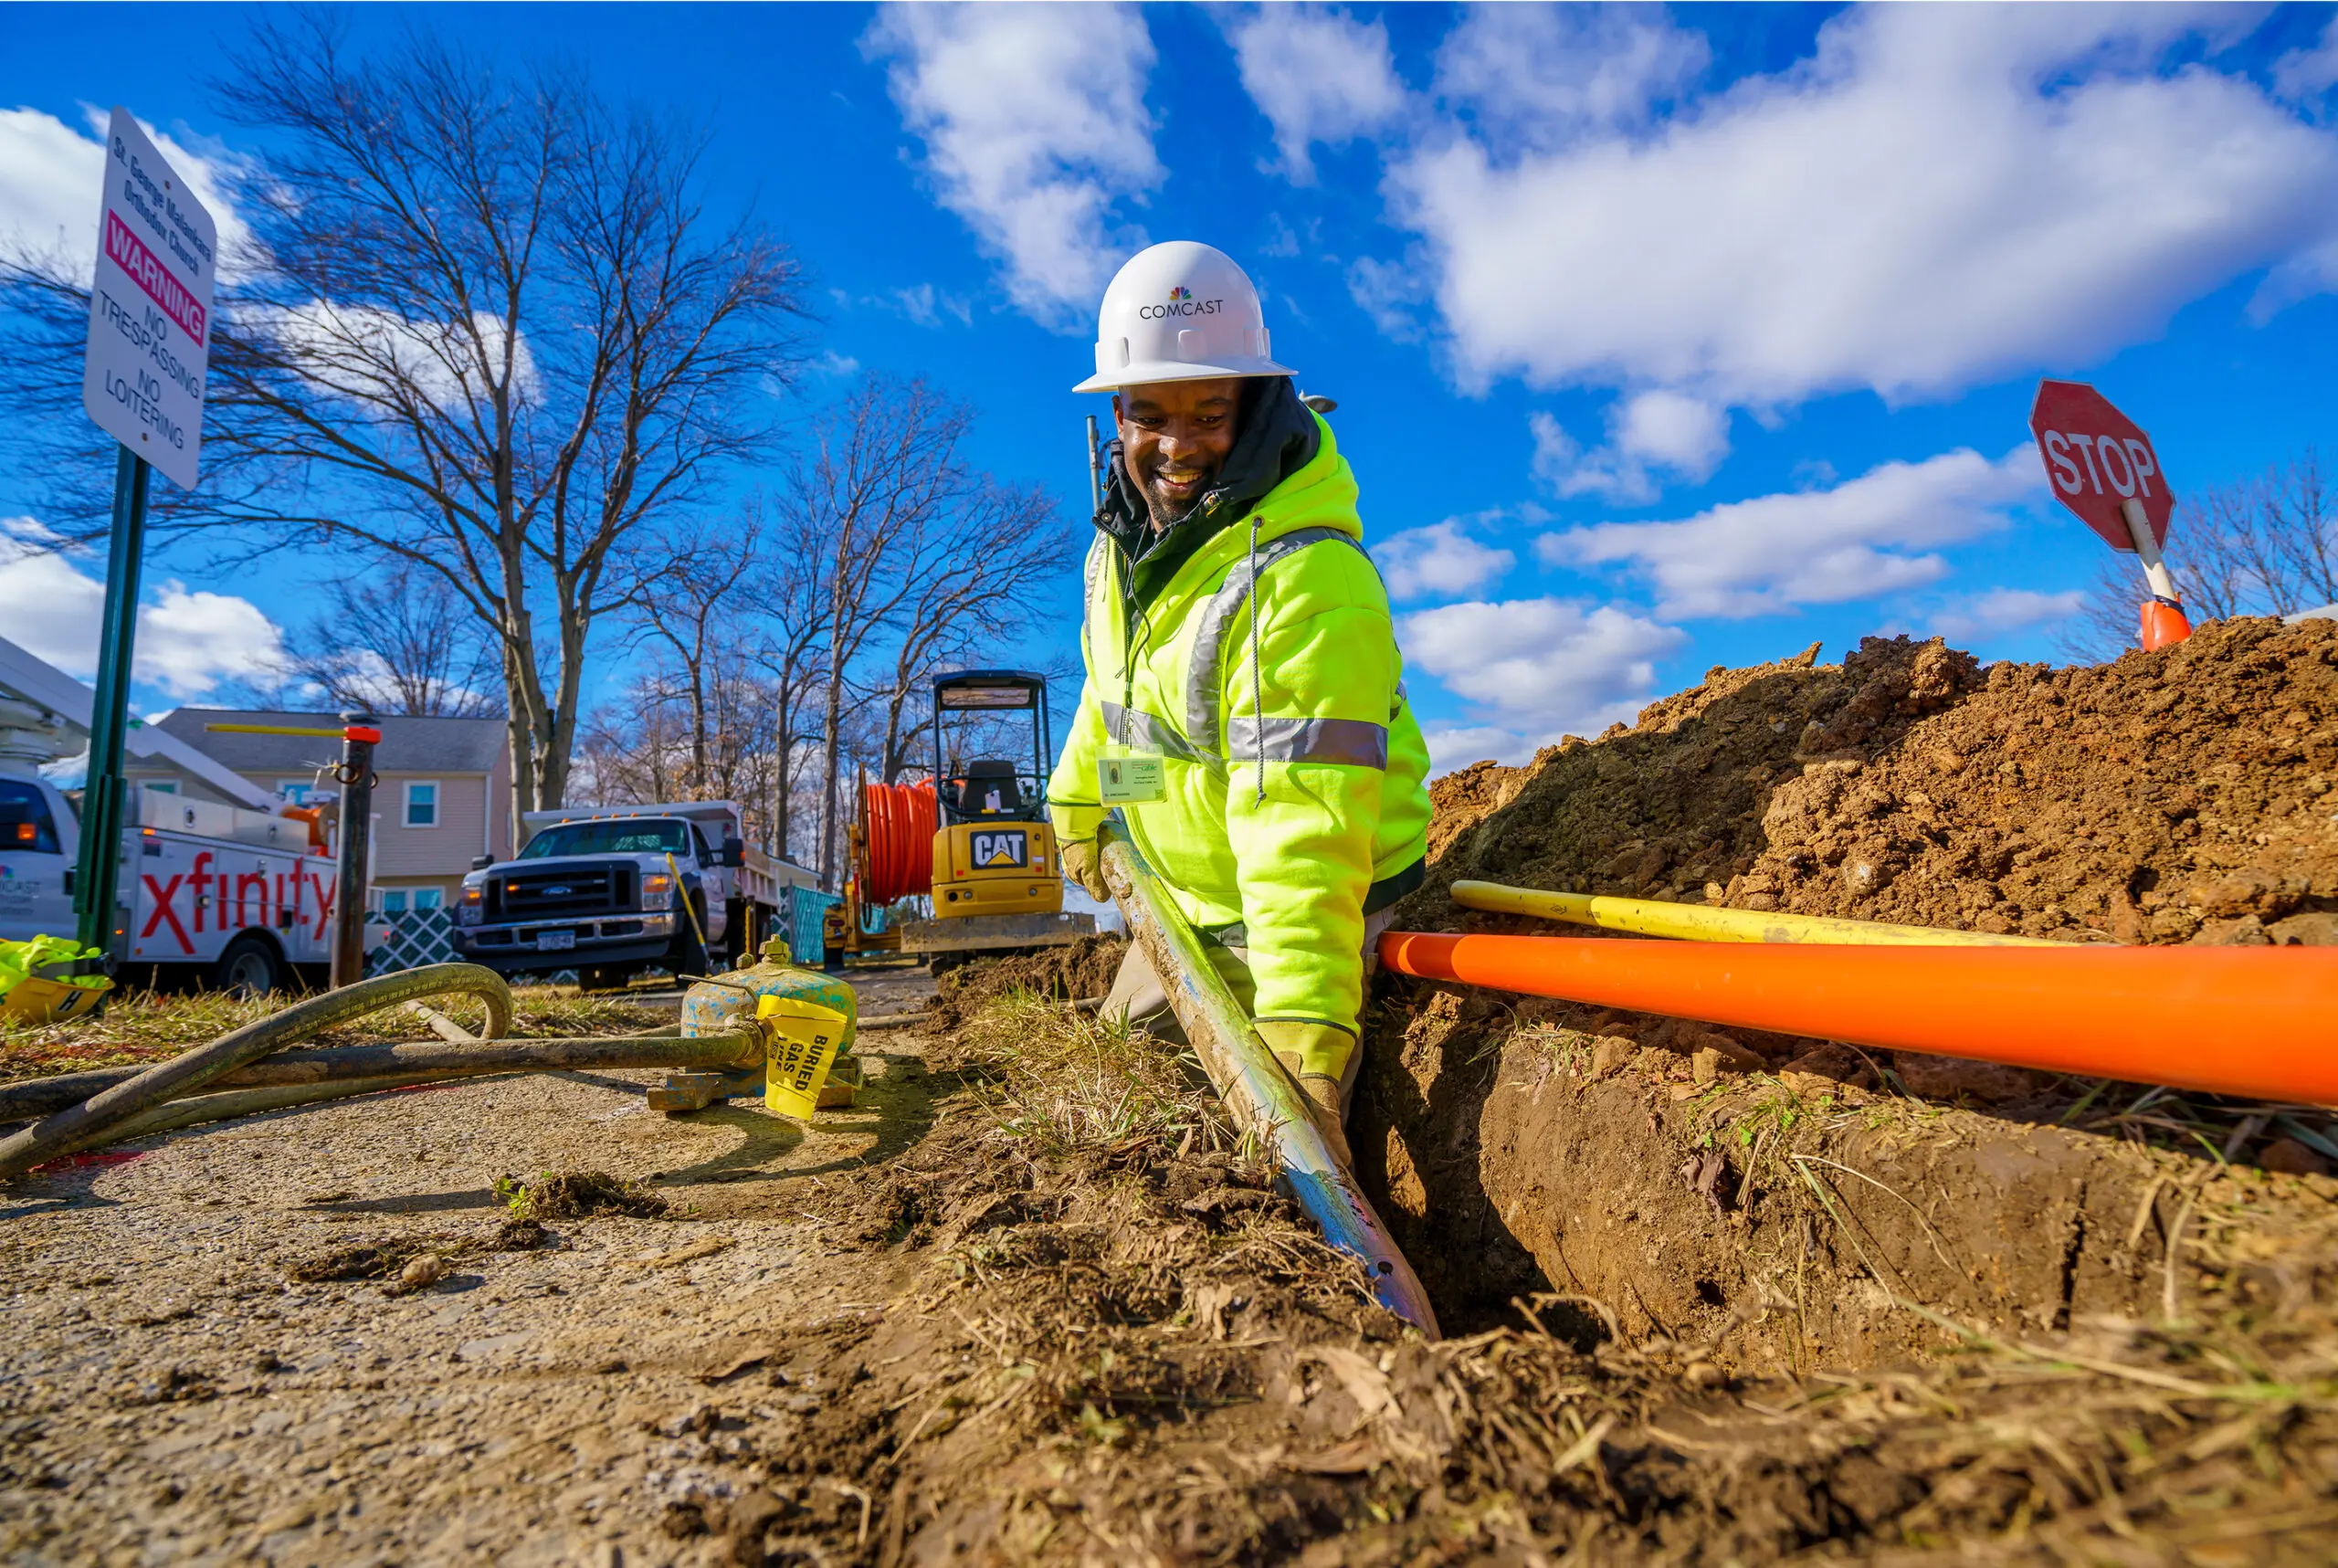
<point x="81" y="1125"/>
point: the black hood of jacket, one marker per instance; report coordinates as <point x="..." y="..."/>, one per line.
<point x="1278" y="438"/>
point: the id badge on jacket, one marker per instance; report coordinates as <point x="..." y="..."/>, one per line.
<point x="1131" y="778"/>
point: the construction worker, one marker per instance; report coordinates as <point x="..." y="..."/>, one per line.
<point x="1245" y="705"/>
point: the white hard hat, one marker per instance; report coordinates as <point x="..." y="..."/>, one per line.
<point x="1179" y="311"/>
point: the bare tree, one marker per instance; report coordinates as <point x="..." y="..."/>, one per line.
<point x="787" y="644"/>
<point x="691" y="609"/>
<point x="398" y="643"/>
<point x="487" y="330"/>
<point x="882" y="466"/>
<point x="2262" y="546"/>
<point x="974" y="576"/>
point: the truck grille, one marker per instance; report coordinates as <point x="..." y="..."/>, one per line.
<point x="558" y="893"/>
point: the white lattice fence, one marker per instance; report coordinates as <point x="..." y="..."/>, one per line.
<point x="416" y="937"/>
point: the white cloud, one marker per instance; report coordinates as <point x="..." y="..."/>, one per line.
<point x="1438" y="561"/>
<point x="1459" y="745"/>
<point x="1940" y="197"/>
<point x="1538" y="76"/>
<point x="1318" y="75"/>
<point x="834" y="363"/>
<point x="925" y="306"/>
<point x="1034" y="123"/>
<point x="188" y="642"/>
<point x="1873" y="534"/>
<point x="2002" y="610"/>
<point x="1390" y="293"/>
<point x="1648" y="434"/>
<point x="51" y="176"/>
<point x="1535" y="668"/>
<point x="2301" y="73"/>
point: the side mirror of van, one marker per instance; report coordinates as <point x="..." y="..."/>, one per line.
<point x="481" y="862"/>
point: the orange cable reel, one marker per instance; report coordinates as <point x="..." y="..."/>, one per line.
<point x="901" y="820"/>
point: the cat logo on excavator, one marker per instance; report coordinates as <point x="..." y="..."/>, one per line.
<point x="1001" y="849"/>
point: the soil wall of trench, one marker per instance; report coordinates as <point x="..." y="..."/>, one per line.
<point x="1775" y="1198"/>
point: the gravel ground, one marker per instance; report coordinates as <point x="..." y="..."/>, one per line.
<point x="170" y="1392"/>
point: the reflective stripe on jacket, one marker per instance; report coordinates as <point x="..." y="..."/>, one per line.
<point x="1341" y="820"/>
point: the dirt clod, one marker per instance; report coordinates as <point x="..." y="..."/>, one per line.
<point x="575" y="1195"/>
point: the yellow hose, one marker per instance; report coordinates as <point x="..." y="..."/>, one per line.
<point x="1702" y="922"/>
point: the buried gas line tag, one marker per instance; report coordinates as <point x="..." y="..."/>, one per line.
<point x="1135" y="778"/>
<point x="805" y="1038"/>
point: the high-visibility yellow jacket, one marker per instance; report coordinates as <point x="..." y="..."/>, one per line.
<point x="1294" y="767"/>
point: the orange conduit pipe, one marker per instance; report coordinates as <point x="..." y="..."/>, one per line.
<point x="900" y="821"/>
<point x="2246" y="1021"/>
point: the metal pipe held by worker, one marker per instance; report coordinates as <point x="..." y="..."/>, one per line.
<point x="1259" y="1094"/>
<point x="2228" y="1020"/>
<point x="1704" y="922"/>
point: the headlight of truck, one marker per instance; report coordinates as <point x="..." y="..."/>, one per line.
<point x="471" y="907"/>
<point x="657" y="891"/>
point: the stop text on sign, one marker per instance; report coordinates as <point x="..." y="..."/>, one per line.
<point x="2125" y="463"/>
<point x="2100" y="462"/>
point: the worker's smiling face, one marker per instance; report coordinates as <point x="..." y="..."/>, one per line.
<point x="1174" y="436"/>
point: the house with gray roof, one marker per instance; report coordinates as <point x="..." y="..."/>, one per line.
<point x="444" y="796"/>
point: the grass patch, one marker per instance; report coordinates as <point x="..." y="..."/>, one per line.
<point x="1060" y="1083"/>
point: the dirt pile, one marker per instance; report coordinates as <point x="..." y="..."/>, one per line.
<point x="1783" y="1194"/>
<point x="1067" y="973"/>
<point x="2190" y="795"/>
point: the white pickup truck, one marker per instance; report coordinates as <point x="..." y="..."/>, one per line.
<point x="218" y="895"/>
<point x="611" y="890"/>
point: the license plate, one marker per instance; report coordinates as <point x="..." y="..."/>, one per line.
<point x="555" y="940"/>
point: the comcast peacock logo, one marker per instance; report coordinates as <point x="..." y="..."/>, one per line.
<point x="1180" y="292"/>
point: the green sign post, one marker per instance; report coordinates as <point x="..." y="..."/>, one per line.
<point x="103" y="792"/>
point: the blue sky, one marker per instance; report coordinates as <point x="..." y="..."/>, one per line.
<point x="1661" y="338"/>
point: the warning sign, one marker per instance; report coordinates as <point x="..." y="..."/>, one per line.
<point x="150" y="307"/>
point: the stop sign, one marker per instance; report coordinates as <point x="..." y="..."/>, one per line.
<point x="2096" y="459"/>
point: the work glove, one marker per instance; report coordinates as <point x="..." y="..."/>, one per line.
<point x="1316" y="1057"/>
<point x="1084" y="866"/>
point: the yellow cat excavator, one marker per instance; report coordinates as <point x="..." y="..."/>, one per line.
<point x="974" y="837"/>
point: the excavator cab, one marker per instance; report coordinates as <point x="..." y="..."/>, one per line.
<point x="994" y="854"/>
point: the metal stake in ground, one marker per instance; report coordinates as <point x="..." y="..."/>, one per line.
<point x="358" y="738"/>
<point x="2103" y="469"/>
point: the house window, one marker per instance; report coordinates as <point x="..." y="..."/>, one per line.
<point x="163" y="786"/>
<point x="422" y="804"/>
<point x="393" y="900"/>
<point x="429" y="898"/>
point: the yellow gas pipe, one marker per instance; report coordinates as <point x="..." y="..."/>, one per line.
<point x="1703" y="922"/>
